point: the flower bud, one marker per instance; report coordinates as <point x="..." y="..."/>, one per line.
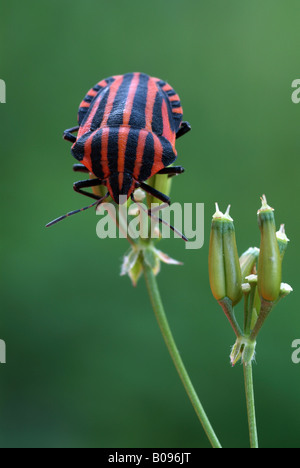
<point x="248" y="261"/>
<point x="224" y="267"/>
<point x="246" y="288"/>
<point x="285" y="289"/>
<point x="282" y="240"/>
<point x="252" y="279"/>
<point x="269" y="262"/>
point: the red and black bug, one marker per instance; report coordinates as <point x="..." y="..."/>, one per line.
<point x="127" y="128"/>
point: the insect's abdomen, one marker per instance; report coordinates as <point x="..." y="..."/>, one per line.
<point x="136" y="152"/>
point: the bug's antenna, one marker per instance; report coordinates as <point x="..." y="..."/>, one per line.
<point x="98" y="202"/>
<point x="159" y="220"/>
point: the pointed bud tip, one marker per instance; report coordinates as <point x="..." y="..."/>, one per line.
<point x="264" y="205"/>
<point x="281" y="235"/>
<point x="227" y="215"/>
<point x="220" y="215"/>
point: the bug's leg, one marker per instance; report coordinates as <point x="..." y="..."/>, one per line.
<point x="172" y="171"/>
<point x="80" y="168"/>
<point x="157" y="219"/>
<point x="71" y="213"/>
<point x="78" y="186"/>
<point x="68" y="134"/>
<point x="155" y="193"/>
<point x="184" y="128"/>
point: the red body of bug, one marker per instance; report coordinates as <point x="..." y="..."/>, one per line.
<point x="127" y="130"/>
<point x="128" y="125"/>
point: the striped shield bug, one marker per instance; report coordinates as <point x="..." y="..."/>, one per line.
<point x="127" y="129"/>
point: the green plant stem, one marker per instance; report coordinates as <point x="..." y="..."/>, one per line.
<point x="265" y="310"/>
<point x="250" y="405"/>
<point x="246" y="309"/>
<point x="249" y="310"/>
<point x="171" y="345"/>
<point x="226" y="305"/>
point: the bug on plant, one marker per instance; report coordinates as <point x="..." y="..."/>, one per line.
<point x="127" y="128"/>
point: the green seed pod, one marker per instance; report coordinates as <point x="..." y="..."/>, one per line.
<point x="282" y="240"/>
<point x="269" y="262"/>
<point x="224" y="267"/>
<point x="248" y="261"/>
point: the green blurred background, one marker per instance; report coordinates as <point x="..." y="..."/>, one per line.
<point x="86" y="365"/>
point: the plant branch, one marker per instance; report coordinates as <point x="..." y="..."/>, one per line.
<point x="175" y="355"/>
<point x="250" y="405"/>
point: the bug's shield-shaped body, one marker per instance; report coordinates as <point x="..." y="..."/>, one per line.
<point x="127" y="130"/>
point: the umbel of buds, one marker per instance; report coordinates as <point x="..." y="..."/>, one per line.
<point x="256" y="276"/>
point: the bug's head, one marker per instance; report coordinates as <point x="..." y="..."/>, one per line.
<point x="120" y="186"/>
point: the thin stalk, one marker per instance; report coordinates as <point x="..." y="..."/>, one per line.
<point x="266" y="308"/>
<point x="173" y="350"/>
<point x="226" y="305"/>
<point x="249" y="310"/>
<point x="246" y="309"/>
<point x="250" y="405"/>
